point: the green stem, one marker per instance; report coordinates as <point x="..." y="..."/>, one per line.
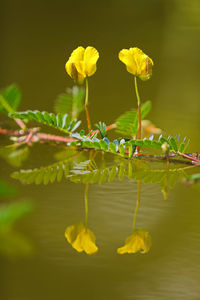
<point x="86" y="91"/>
<point x="86" y="105"/>
<point x="139" y="112"/>
<point x="136" y="91"/>
<point x="137" y="204"/>
<point x="86" y="204"/>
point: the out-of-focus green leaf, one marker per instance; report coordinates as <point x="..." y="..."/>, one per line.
<point x="6" y="190"/>
<point x="192" y="179"/>
<point x="14" y="156"/>
<point x="12" y="96"/>
<point x="9" y="214"/>
<point x="127" y="123"/>
<point x="71" y="102"/>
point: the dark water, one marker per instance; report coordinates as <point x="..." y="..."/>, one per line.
<point x="36" y="39"/>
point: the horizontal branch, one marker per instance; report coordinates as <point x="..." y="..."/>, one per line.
<point x="56" y="138"/>
<point x="32" y="135"/>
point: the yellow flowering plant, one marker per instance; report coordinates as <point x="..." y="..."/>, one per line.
<point x="140" y="65"/>
<point x="71" y="162"/>
<point x="81" y="65"/>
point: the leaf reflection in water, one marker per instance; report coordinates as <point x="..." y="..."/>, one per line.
<point x="78" y="168"/>
<point x="14" y="155"/>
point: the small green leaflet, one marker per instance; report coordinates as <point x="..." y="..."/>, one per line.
<point x="58" y="121"/>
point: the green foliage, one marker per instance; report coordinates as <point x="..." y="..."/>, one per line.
<point x="157" y="144"/>
<point x="193" y="179"/>
<point x="173" y="144"/>
<point x="71" y="102"/>
<point x="6" y="190"/>
<point x="10" y="96"/>
<point x="126" y="147"/>
<point x="101" y="126"/>
<point x="15" y="156"/>
<point x="88" y="172"/>
<point x="58" y="121"/>
<point x="44" y="175"/>
<point x="184" y="145"/>
<point x="9" y="214"/>
<point x="127" y="123"/>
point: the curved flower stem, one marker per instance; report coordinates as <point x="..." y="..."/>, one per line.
<point x="86" y="105"/>
<point x="139" y="111"/>
<point x="138" y="203"/>
<point x="136" y="90"/>
<point x="86" y="203"/>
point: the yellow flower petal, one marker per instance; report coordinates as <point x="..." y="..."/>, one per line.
<point x="137" y="62"/>
<point x="91" y="56"/>
<point x="128" y="59"/>
<point x="71" y="68"/>
<point x="82" y="63"/>
<point x="73" y="72"/>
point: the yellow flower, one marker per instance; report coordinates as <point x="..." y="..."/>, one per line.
<point x="81" y="238"/>
<point x="137" y="63"/>
<point x="140" y="240"/>
<point x="82" y="63"/>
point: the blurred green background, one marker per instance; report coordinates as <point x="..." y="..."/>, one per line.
<point x="37" y="38"/>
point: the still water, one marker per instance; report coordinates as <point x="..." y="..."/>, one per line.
<point x="52" y="267"/>
<point x="37" y="39"/>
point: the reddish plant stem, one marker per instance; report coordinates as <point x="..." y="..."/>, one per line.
<point x="29" y="137"/>
<point x="88" y="118"/>
<point x="20" y="123"/>
<point x="10" y="132"/>
<point x="189" y="157"/>
<point x="56" y="138"/>
<point x="139" y="126"/>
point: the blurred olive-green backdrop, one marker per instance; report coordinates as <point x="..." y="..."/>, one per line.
<point x="37" y="38"/>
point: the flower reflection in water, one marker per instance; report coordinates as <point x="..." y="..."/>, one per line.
<point x="80" y="236"/>
<point x="140" y="240"/>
